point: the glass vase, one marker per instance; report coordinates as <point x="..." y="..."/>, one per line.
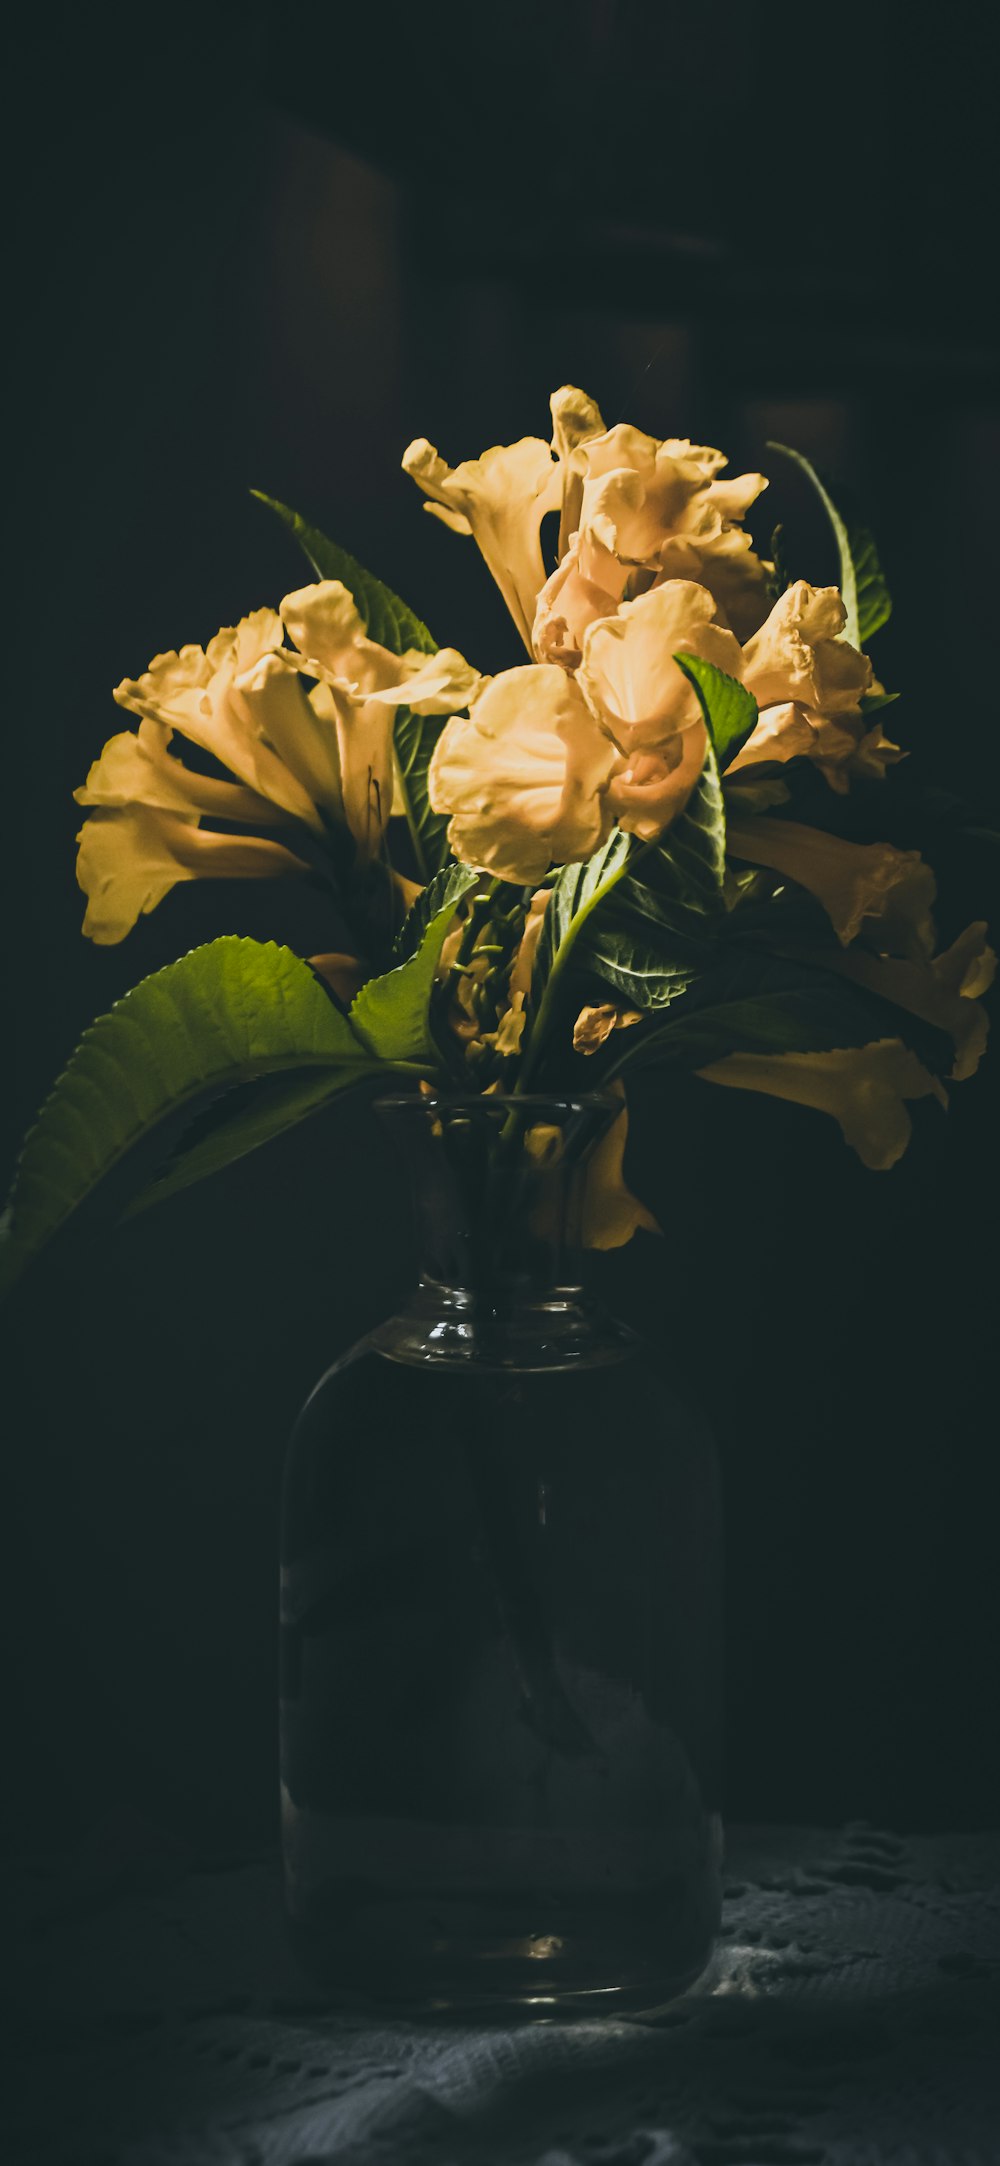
<point x="501" y="1613"/>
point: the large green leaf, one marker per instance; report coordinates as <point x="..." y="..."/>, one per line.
<point x="391" y="1014"/>
<point x="448" y="886"/>
<point x="767" y="1004"/>
<point x="730" y="711"/>
<point x="220" y="1016"/>
<point x="386" y="618"/>
<point x="862" y="584"/>
<point x="641" y="916"/>
<point x="240" y="1122"/>
<point x="389" y="621"/>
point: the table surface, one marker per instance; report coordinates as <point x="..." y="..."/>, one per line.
<point x="850" y="2018"/>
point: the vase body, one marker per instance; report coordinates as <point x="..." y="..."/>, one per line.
<point x="501" y="1618"/>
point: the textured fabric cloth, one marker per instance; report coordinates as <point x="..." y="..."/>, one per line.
<point x="850" y="2018"/>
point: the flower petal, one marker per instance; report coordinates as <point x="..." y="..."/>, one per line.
<point x="501" y="499"/>
<point x="609" y="1213"/>
<point x="594" y="1025"/>
<point x="130" y="858"/>
<point x="798" y="654"/>
<point x="523" y="778"/>
<point x="138" y="768"/>
<point x="198" y="695"/>
<point x="628" y="675"/>
<point x="857" y="883"/>
<point x="943" y="992"/>
<point x="863" y="1087"/>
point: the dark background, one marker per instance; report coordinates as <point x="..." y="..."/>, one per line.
<point x="263" y="246"/>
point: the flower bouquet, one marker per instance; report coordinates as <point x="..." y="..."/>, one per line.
<point x="623" y="849"/>
<point x="501" y="1558"/>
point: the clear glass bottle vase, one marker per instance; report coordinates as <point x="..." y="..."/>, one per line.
<point x="501" y="1614"/>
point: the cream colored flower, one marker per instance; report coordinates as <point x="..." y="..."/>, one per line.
<point x="199" y="693"/>
<point x="131" y="857"/>
<point x="365" y="685"/>
<point x="865" y="1088"/>
<point x="628" y="675"/>
<point x="868" y="886"/>
<point x="589" y="582"/>
<point x="524" y="778"/>
<point x="502" y="497"/>
<point x="314" y="757"/>
<point x="661" y="507"/>
<point x="945" y="991"/>
<point x="233" y="700"/>
<point x="609" y="1214"/>
<point x="636" y="691"/>
<point x="809" y="683"/>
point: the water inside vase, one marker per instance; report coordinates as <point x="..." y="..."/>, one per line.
<point x="501" y="1648"/>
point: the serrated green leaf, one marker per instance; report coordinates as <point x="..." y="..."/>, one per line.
<point x="730" y="711"/>
<point x="386" y="618"/>
<point x="391" y="1014"/>
<point x="448" y="886"/>
<point x="862" y="584"/>
<point x="271" y="1109"/>
<point x="227" y="1012"/>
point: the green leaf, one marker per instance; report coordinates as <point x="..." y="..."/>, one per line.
<point x="225" y="1013"/>
<point x="414" y="737"/>
<point x="269" y="1110"/>
<point x="448" y="886"/>
<point x="639" y="915"/>
<point x="862" y="584"/>
<point x="730" y="711"/>
<point x="391" y="1014"/>
<point x="386" y="618"/>
<point x="766" y="1004"/>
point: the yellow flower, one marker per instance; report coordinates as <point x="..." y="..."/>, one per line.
<point x="635" y="689"/>
<point x="661" y="508"/>
<point x="524" y="778"/>
<point x="945" y="991"/>
<point x="609" y="1214"/>
<point x="129" y="859"/>
<point x="868" y="886"/>
<point x="502" y="497"/>
<point x="145" y="834"/>
<point x="203" y="695"/>
<point x="366" y="685"/>
<point x="809" y="683"/>
<point x="865" y="1088"/>
<point x="628" y="675"/>
<point x="312" y="757"/>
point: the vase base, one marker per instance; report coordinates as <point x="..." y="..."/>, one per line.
<point x="421" y="1960"/>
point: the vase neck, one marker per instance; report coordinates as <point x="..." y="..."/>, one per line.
<point x="496" y="1191"/>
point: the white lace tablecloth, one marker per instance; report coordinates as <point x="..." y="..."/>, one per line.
<point x="852" y="2018"/>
